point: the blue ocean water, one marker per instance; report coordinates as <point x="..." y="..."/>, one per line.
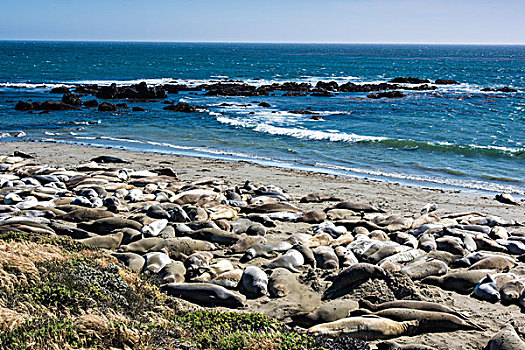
<point x="456" y="136"/>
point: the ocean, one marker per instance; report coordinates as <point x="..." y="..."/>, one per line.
<point x="454" y="137"/>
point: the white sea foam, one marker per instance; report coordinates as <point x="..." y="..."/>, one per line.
<point x="299" y="133"/>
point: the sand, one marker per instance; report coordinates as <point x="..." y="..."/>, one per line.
<point x="392" y="197"/>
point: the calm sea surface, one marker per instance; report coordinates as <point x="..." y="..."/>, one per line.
<point x="456" y="136"/>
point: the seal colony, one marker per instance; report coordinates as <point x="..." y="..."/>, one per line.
<point x="330" y="265"/>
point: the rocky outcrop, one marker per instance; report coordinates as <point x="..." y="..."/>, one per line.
<point x="503" y="89"/>
<point x="59" y="90"/>
<point x="23" y="106"/>
<point x="388" y="94"/>
<point x="139" y="91"/>
<point x="233" y="89"/>
<point x="107" y="107"/>
<point x="72" y="99"/>
<point x="183" y="108"/>
<point x="91" y="103"/>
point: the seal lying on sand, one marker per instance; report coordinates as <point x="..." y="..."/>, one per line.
<point x="366" y="327"/>
<point x="410" y="304"/>
<point x="429" y="321"/>
<point x="332" y="311"/>
<point x="204" y="293"/>
<point x="462" y="282"/>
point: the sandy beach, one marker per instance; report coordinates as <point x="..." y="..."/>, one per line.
<point x="393" y="198"/>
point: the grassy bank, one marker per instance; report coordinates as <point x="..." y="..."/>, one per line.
<point x="58" y="293"/>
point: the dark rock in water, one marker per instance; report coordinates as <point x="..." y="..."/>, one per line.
<point x="22" y="155"/>
<point x="294" y="93"/>
<point x="330" y="86"/>
<point x="303" y="112"/>
<point x="91" y="103"/>
<point x="23" y="106"/>
<point x="138" y="109"/>
<point x="388" y="94"/>
<point x="139" y="91"/>
<point x="59" y="90"/>
<point x="108" y="159"/>
<point x="183" y="108"/>
<point x="293" y="86"/>
<point x="107" y="107"/>
<point x="87" y="89"/>
<point x="265" y="104"/>
<point x="409" y="80"/>
<point x="72" y="99"/>
<point x="351" y="87"/>
<point x="503" y="89"/>
<point x="235" y="89"/>
<point x="445" y="82"/>
<point x="122" y="105"/>
<point x="322" y="93"/>
<point x="52" y="106"/>
<point x="423" y="87"/>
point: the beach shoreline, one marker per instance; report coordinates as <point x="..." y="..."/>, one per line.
<point x="393" y="196"/>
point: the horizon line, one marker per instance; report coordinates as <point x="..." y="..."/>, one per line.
<point x="269" y="42"/>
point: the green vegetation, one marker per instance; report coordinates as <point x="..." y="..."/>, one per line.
<point x="81" y="297"/>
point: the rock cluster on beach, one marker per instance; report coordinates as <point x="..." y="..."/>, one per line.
<point x="333" y="266"/>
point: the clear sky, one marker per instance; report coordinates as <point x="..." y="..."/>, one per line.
<point x="362" y="21"/>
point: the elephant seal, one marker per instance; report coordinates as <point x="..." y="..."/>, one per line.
<point x="281" y="282"/>
<point x="173" y="272"/>
<point x="351" y="275"/>
<point x="215" y="235"/>
<point x="156" y="261"/>
<point x="133" y="261"/>
<point x="512" y="290"/>
<point x="332" y="311"/>
<point x="427" y="242"/>
<point x="410" y="304"/>
<point x="471" y="259"/>
<point x="257" y="250"/>
<point x="245" y="243"/>
<point x="315" y="216"/>
<point x="421" y="269"/>
<point x="179" y="248"/>
<point x="254" y="281"/>
<point x="462" y="282"/>
<point x="290" y="260"/>
<point x="110" y="242"/>
<point x="326" y="258"/>
<point x="346" y="256"/>
<point x="506" y="339"/>
<point x="205" y="294"/>
<point x="142" y="246"/>
<point x="228" y="279"/>
<point x="497" y="263"/>
<point x="105" y="225"/>
<point x="86" y="214"/>
<point x="487" y="289"/>
<point x="197" y="262"/>
<point x="366" y="328"/>
<point x="308" y="254"/>
<point x="429" y="321"/>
